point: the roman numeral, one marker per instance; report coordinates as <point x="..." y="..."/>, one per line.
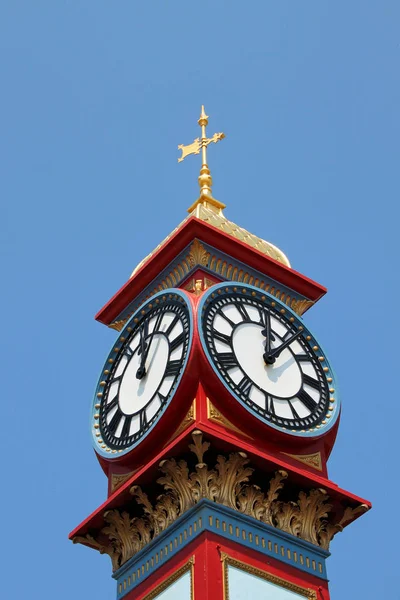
<point x="126" y="427"/>
<point x="173" y="368"/>
<point x="227" y="360"/>
<point x="222" y="337"/>
<point x="113" y="424"/>
<point x="171" y="325"/>
<point x="143" y="419"/>
<point x="307" y="400"/>
<point x="227" y="319"/>
<point x="294" y="413"/>
<point x="128" y="351"/>
<point x="314" y="383"/>
<point x="302" y="358"/>
<point x="244" y="386"/>
<point x="243" y="312"/>
<point x="178" y="341"/>
<point x="269" y="404"/>
<point x="157" y="324"/>
<point x="111" y="404"/>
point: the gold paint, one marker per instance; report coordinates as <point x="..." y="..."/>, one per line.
<point x="214" y="415"/>
<point x="321" y="358"/>
<point x="96" y="425"/>
<point x="188" y="420"/>
<point x="308" y="338"/>
<point x="99" y="394"/>
<point x="117" y="479"/>
<point x="304" y="514"/>
<point x="96" y="416"/>
<point x="315" y="348"/>
<point x="291" y="319"/>
<point x="106" y="372"/>
<point x="102" y="383"/>
<point x="110" y="360"/>
<point x="300" y="306"/>
<point x="325" y="369"/>
<point x="329" y="379"/>
<point x="205" y="179"/>
<point x="97" y="406"/>
<point x="331" y="391"/>
<point x="274" y="579"/>
<point x="312" y="460"/>
<point x="189" y="566"/>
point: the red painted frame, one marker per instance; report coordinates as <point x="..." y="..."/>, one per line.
<point x="195" y="228"/>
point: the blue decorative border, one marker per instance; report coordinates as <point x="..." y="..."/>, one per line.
<point x="115" y="454"/>
<point x="228" y="288"/>
<point x="230" y="525"/>
<point x="175" y="264"/>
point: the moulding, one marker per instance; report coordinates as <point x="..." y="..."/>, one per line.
<point x="174" y="577"/>
<point x="303" y="514"/>
<point x="283" y="583"/>
<point x="216" y="262"/>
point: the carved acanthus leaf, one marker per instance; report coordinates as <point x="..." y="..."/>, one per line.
<point x="307" y="517"/>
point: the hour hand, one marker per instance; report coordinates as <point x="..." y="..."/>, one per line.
<point x="276" y="352"/>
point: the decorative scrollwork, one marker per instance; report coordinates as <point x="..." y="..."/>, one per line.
<point x="307" y="517"/>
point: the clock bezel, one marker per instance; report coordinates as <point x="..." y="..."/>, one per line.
<point x="251" y="291"/>
<point x="163" y="296"/>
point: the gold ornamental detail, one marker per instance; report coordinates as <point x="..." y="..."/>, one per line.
<point x="306" y="515"/>
<point x="283" y="583"/>
<point x="205" y="179"/>
<point x="312" y="460"/>
<point x="117" y="480"/>
<point x="214" y="415"/>
<point x="199" y="256"/>
<point x="188" y="567"/>
<point x="188" y="420"/>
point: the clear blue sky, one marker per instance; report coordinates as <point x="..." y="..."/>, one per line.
<point x="95" y="97"/>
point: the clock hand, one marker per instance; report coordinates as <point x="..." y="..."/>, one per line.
<point x="141" y="372"/>
<point x="275" y="353"/>
<point x="268" y="337"/>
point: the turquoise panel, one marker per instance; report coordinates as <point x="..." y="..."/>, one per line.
<point x="245" y="586"/>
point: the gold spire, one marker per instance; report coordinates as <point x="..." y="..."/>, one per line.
<point x="205" y="179"/>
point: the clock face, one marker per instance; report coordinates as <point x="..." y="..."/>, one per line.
<point x="141" y="373"/>
<point x="268" y="359"/>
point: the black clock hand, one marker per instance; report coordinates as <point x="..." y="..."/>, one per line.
<point x="141" y="372"/>
<point x="275" y="353"/>
<point x="268" y="337"/>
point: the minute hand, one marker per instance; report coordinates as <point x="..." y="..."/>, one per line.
<point x="276" y="352"/>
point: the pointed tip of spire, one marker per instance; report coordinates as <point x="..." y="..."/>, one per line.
<point x="203" y="121"/>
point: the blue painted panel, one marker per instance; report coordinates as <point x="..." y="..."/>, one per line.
<point x="230" y="525"/>
<point x="245" y="586"/>
<point x="179" y="590"/>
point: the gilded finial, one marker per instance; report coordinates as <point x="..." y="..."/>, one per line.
<point x="205" y="179"/>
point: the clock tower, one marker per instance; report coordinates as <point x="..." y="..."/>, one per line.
<point x="213" y="420"/>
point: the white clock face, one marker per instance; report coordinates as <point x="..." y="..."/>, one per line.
<point x="141" y="373"/>
<point x="268" y="359"/>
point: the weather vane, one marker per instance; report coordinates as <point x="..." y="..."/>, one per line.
<point x="205" y="179"/>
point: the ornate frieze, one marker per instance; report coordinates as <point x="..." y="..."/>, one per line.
<point x="304" y="514"/>
<point x="199" y="255"/>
